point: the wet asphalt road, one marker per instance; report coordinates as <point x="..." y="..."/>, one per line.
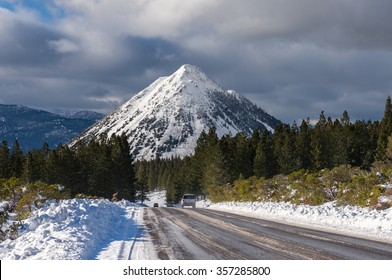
<point x="187" y="234"/>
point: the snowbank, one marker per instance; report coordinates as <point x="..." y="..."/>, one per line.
<point x="356" y="221"/>
<point x="70" y="230"/>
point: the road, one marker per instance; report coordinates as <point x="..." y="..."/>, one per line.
<point x="191" y="234"/>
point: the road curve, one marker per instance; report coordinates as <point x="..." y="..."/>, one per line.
<point x="208" y="234"/>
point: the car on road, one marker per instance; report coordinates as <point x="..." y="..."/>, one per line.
<point x="188" y="200"/>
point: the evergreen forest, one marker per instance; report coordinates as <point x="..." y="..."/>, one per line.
<point x="100" y="168"/>
<point x="300" y="163"/>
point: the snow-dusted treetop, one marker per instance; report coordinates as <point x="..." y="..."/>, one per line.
<point x="167" y="117"/>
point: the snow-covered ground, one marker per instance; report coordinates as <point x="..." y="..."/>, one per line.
<point x="99" y="229"/>
<point x="81" y="229"/>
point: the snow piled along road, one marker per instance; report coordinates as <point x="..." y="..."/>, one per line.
<point x="349" y="220"/>
<point x="81" y="229"/>
<point x="99" y="229"/>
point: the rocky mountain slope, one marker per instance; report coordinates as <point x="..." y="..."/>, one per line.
<point x="167" y="117"/>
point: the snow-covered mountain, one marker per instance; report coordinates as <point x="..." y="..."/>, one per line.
<point x="167" y="117"/>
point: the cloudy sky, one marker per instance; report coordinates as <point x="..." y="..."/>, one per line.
<point x="294" y="58"/>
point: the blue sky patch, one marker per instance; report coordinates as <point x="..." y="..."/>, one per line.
<point x="45" y="9"/>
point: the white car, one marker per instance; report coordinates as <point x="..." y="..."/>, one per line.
<point x="188" y="200"/>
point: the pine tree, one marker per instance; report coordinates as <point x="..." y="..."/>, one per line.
<point x="31" y="170"/>
<point x="264" y="162"/>
<point x="210" y="160"/>
<point x="385" y="130"/>
<point x="360" y="144"/>
<point x="161" y="174"/>
<point x="243" y="157"/>
<point x="345" y="138"/>
<point x="104" y="167"/>
<point x="142" y="179"/>
<point x="285" y="148"/>
<point x="338" y="145"/>
<point x="253" y="144"/>
<point x="292" y="158"/>
<point x="34" y="165"/>
<point x="123" y="174"/>
<point x="192" y="176"/>
<point x="227" y="146"/>
<point x="213" y="169"/>
<point x="303" y="144"/>
<point x="373" y="132"/>
<point x="5" y="161"/>
<point x="153" y="173"/>
<point x="278" y="143"/>
<point x="63" y="167"/>
<point x="16" y="160"/>
<point x="388" y="150"/>
<point x="330" y="146"/>
<point x="319" y="144"/>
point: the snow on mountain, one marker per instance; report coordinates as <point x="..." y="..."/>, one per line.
<point x="167" y="117"/>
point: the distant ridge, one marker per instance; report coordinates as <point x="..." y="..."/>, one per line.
<point x="33" y="128"/>
<point x="85" y="115"/>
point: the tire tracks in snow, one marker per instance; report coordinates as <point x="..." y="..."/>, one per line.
<point x="128" y="232"/>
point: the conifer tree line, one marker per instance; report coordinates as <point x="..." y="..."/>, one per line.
<point x="105" y="167"/>
<point x="216" y="162"/>
<point x="99" y="168"/>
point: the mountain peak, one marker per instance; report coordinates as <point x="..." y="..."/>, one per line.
<point x="167" y="117"/>
<point x="191" y="77"/>
<point x="188" y="69"/>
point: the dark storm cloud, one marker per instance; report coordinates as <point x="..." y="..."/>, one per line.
<point x="26" y="45"/>
<point x="98" y="92"/>
<point x="44" y="67"/>
<point x="337" y="23"/>
<point x="293" y="58"/>
<point x="145" y="55"/>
